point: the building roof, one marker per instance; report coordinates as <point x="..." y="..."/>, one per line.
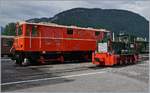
<point x="5" y="36"/>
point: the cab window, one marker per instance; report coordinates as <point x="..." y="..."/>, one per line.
<point x="69" y="31"/>
<point x="97" y="33"/>
<point x="28" y="31"/>
<point x="34" y="31"/>
<point x="19" y="31"/>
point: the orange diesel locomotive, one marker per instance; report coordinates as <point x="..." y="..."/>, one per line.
<point x="45" y="42"/>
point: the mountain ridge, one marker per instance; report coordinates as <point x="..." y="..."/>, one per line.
<point x="115" y="20"/>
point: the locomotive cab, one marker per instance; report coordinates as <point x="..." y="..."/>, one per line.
<point x="23" y="32"/>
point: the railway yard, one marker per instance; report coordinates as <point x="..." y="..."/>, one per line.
<point x="75" y="77"/>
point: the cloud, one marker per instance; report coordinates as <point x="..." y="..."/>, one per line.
<point x="141" y="7"/>
<point x="22" y="10"/>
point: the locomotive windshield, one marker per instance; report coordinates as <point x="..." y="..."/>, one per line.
<point x="18" y="31"/>
<point x="34" y="31"/>
<point x="31" y="31"/>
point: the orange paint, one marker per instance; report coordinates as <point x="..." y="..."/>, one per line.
<point x="55" y="38"/>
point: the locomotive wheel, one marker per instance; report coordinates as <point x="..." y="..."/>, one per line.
<point x="2" y="55"/>
<point x="19" y="62"/>
<point x="33" y="61"/>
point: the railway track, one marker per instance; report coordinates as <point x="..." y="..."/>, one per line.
<point x="50" y="72"/>
<point x="45" y="70"/>
<point x="15" y="73"/>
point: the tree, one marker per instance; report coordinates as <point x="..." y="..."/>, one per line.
<point x="10" y="29"/>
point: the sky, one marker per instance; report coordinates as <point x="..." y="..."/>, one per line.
<point x="18" y="10"/>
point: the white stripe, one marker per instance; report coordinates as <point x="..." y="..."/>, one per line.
<point x="30" y="40"/>
<point x="57" y="38"/>
<point x="5" y="59"/>
<point x="27" y="81"/>
<point x="3" y="36"/>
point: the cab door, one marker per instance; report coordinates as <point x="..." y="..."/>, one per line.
<point x="69" y="40"/>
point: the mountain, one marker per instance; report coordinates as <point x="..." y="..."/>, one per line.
<point x="1" y="29"/>
<point x="111" y="19"/>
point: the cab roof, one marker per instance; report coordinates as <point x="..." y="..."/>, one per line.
<point x="56" y="25"/>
